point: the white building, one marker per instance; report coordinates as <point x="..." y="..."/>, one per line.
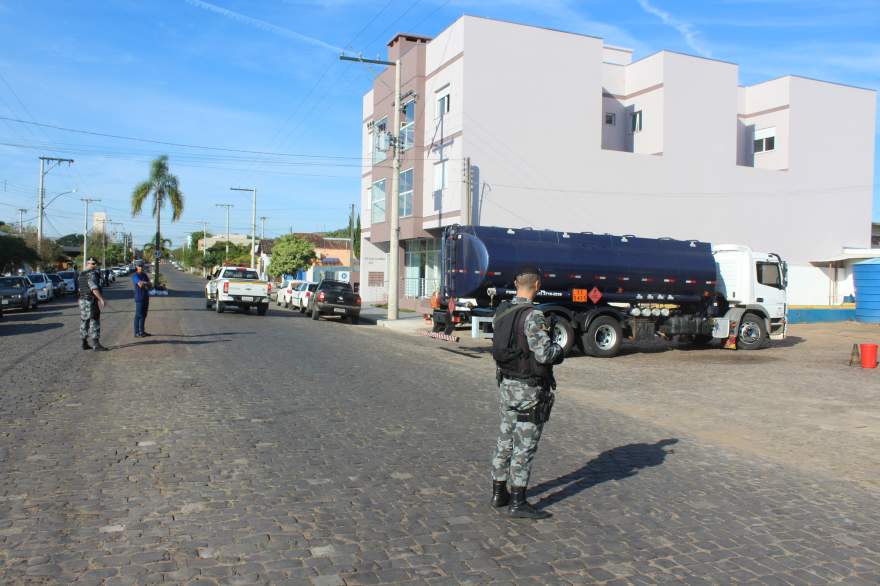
<point x="99" y="222"/>
<point x="564" y="132"/>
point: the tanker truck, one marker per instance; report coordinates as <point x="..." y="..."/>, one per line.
<point x="602" y="289"/>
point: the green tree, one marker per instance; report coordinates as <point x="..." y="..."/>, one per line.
<point x="14" y="252"/>
<point x="291" y="254"/>
<point x="70" y="240"/>
<point x="150" y="248"/>
<point x="347" y="232"/>
<point x="163" y="186"/>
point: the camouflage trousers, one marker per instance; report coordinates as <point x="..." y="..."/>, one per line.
<point x="89" y="320"/>
<point x="517" y="441"/>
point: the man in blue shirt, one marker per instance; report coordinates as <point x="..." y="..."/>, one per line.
<point x="142" y="286"/>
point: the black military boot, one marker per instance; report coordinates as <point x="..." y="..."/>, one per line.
<point x="98" y="348"/>
<point x="520" y="507"/>
<point x="500" y="496"/>
<point x="85" y="344"/>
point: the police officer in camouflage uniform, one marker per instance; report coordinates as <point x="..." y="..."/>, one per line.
<point x="525" y="355"/>
<point x="91" y="302"/>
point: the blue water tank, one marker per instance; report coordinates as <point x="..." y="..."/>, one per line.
<point x="866" y="276"/>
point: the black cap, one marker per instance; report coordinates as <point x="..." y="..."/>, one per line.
<point x="92" y="259"/>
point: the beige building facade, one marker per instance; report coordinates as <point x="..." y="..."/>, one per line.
<point x="520" y="126"/>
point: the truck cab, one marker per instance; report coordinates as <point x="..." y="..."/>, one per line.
<point x="754" y="281"/>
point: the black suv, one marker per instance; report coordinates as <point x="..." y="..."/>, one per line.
<point x="335" y="298"/>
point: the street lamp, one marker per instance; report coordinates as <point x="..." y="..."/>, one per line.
<point x="57" y="196"/>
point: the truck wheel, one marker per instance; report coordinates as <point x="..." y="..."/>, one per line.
<point x="603" y="337"/>
<point x="219" y="306"/>
<point x="563" y="334"/>
<point x="262" y="309"/>
<point x="752" y="334"/>
<point x="315" y="314"/>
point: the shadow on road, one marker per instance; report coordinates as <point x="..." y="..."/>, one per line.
<point x="27" y="315"/>
<point x="615" y="464"/>
<point x="13" y="330"/>
<point x="168" y="342"/>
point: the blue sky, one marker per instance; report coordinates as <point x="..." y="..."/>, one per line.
<point x="264" y="75"/>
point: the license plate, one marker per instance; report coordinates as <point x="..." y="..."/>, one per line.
<point x="247" y="298"/>
<point x="338" y="310"/>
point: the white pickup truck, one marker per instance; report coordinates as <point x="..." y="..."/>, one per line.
<point x="237" y="286"/>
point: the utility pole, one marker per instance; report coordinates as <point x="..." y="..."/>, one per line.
<point x="204" y="238"/>
<point x="262" y="227"/>
<point x="42" y="193"/>
<point x="21" y="212"/>
<point x="86" y="201"/>
<point x="253" y="222"/>
<point x="351" y="236"/>
<point x="227" y="206"/>
<point x="394" y="220"/>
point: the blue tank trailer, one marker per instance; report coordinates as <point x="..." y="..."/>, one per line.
<point x="598" y="288"/>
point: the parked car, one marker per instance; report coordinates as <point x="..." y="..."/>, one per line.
<point x="57" y="284"/>
<point x="288" y="292"/>
<point x="17" y="292"/>
<point x="43" y="285"/>
<point x="237" y="286"/>
<point x="281" y="289"/>
<point x="301" y="296"/>
<point x="335" y="298"/>
<point x="69" y="278"/>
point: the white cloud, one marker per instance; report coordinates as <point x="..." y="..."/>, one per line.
<point x="686" y="30"/>
<point x="263" y="25"/>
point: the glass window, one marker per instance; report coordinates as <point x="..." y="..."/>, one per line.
<point x="240" y="274"/>
<point x="36" y="278"/>
<point x="765" y="139"/>
<point x="610" y="118"/>
<point x="440" y="174"/>
<point x="759" y="145"/>
<point x="442" y="105"/>
<point x="637" y="121"/>
<point x="380" y="139"/>
<point x="408" y="125"/>
<point x="405" y="200"/>
<point x="377" y="207"/>
<point x="10" y="282"/>
<point x="769" y="274"/>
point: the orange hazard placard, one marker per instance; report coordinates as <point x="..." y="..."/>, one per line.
<point x="579" y="295"/>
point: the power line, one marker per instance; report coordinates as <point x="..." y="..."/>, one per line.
<point x="168" y="143"/>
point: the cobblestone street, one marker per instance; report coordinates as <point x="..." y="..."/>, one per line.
<point x="239" y="449"/>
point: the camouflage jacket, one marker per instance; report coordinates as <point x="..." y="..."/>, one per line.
<point x="538" y="335"/>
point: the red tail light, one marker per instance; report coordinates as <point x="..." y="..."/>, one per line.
<point x="357" y="299"/>
<point x="226" y="287"/>
<point x="269" y="290"/>
<point x="321" y="296"/>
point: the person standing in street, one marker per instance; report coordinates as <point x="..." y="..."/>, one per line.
<point x="142" y="286"/>
<point x="524" y="355"/>
<point x="91" y="302"/>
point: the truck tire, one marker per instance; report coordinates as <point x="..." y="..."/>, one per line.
<point x="563" y="334"/>
<point x="751" y="333"/>
<point x="603" y="337"/>
<point x="315" y="314"/>
<point x="262" y="309"/>
<point x="219" y="306"/>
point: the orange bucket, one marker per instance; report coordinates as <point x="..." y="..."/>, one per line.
<point x="869" y="355"/>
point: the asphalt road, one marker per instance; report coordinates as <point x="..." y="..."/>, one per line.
<point x="241" y="449"/>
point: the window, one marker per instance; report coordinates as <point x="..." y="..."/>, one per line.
<point x="440" y="175"/>
<point x="610" y="118"/>
<point x="768" y="274"/>
<point x="380" y="140"/>
<point x="765" y="140"/>
<point x="377" y="202"/>
<point x="376" y="279"/>
<point x="240" y="274"/>
<point x="636" y="120"/>
<point x="408" y="125"/>
<point x="405" y="199"/>
<point x="443" y="105"/>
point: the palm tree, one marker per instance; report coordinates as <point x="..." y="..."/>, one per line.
<point x="163" y="186"/>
